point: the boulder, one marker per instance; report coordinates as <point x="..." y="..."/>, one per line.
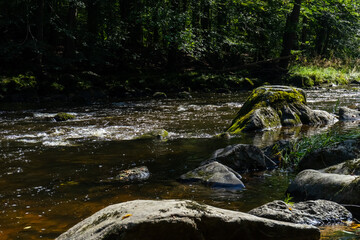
<point x="275" y="106"/>
<point x="350" y="167"/>
<point x="133" y="174"/>
<point x="348" y="114"/>
<point x="182" y="219"/>
<point x="216" y="175"/>
<point x="328" y="156"/>
<point x="317" y="213"/>
<point x="241" y="157"/>
<point x="312" y="184"/>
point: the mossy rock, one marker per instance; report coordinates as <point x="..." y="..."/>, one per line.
<point x="63" y="117"/>
<point x="275" y="106"/>
<point x="159" y="134"/>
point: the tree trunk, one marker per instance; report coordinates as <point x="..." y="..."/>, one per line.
<point x="290" y="34"/>
<point x="304" y="32"/>
<point x="92" y="7"/>
<point x="70" y="38"/>
<point x="205" y="17"/>
<point x="40" y="28"/>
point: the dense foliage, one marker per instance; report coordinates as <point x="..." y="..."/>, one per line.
<point x="112" y="36"/>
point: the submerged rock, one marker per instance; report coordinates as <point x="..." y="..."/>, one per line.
<point x="312" y="184"/>
<point x="328" y="156"/>
<point x="276" y="106"/>
<point x="316" y="213"/>
<point x="178" y="220"/>
<point x="241" y="157"/>
<point x="159" y="134"/>
<point x="59" y="117"/>
<point x="133" y="174"/>
<point x="348" y="114"/>
<point x="216" y="175"/>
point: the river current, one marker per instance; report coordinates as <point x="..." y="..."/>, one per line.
<point x="54" y="174"/>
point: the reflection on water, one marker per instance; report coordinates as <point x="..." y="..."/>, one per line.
<point x="55" y="174"/>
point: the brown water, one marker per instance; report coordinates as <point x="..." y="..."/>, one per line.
<point x="54" y="174"/>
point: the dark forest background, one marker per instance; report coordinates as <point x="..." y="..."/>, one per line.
<point x="56" y="46"/>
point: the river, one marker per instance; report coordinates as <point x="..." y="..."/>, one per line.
<point x="54" y="174"/>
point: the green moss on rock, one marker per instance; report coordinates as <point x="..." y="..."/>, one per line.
<point x="63" y="117"/>
<point x="264" y="109"/>
<point x="159" y="134"/>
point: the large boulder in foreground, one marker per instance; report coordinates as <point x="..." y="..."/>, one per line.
<point x="241" y="157"/>
<point x="178" y="220"/>
<point x="317" y="213"/>
<point x="215" y="174"/>
<point x="275" y="106"/>
<point x="329" y="156"/>
<point x="312" y="184"/>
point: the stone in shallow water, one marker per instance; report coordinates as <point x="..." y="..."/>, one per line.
<point x="241" y="157"/>
<point x="216" y="175"/>
<point x="275" y="106"/>
<point x="329" y="156"/>
<point x="133" y="174"/>
<point x="312" y="184"/>
<point x="317" y="213"/>
<point x="348" y="114"/>
<point x="157" y="134"/>
<point x="182" y="219"/>
<point x="59" y="117"/>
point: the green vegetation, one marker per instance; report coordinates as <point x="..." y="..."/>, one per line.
<point x="288" y="199"/>
<point x="122" y="46"/>
<point x="309" y="76"/>
<point x="291" y="155"/>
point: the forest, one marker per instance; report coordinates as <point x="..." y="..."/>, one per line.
<point x="119" y="46"/>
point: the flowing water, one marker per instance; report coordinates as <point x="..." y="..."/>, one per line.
<point x="54" y="174"/>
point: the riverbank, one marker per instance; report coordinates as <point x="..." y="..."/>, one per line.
<point x="87" y="86"/>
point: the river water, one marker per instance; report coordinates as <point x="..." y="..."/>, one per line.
<point x="54" y="174"/>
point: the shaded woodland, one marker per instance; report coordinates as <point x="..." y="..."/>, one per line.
<point x="43" y="40"/>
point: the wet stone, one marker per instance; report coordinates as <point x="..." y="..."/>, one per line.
<point x="59" y="117"/>
<point x="241" y="157"/>
<point x="348" y="114"/>
<point x="332" y="155"/>
<point x="214" y="174"/>
<point x="133" y="174"/>
<point x="316" y="213"/>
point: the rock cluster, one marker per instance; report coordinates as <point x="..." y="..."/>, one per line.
<point x="178" y="220"/>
